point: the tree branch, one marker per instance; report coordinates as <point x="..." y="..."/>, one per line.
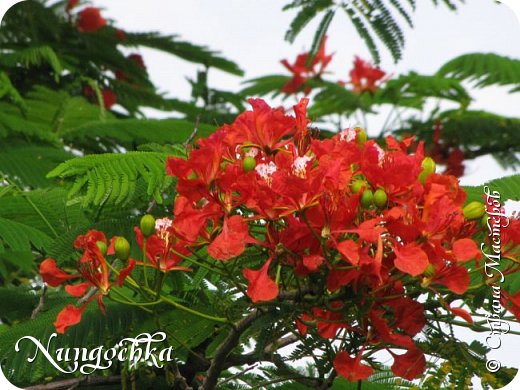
<point x="219" y="361"/>
<point x="83" y="380"/>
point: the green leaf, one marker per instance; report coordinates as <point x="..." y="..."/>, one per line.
<point x="28" y="164"/>
<point x="128" y="133"/>
<point x="304" y="16"/>
<point x="112" y="178"/>
<point x="508" y="188"/>
<point x="33" y="56"/>
<point x="19" y="236"/>
<point x="265" y="85"/>
<point x="184" y="50"/>
<point x="319" y="35"/>
<point x="484" y="69"/>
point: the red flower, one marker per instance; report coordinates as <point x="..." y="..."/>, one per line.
<point x="163" y="248"/>
<point x="232" y="241"/>
<point x="466" y="249"/>
<point x="410" y="259"/>
<point x="410" y="365"/>
<point x="68" y="317"/>
<point x="261" y="286"/>
<point x="138" y="60"/>
<point x="455" y="277"/>
<point x="302" y="72"/>
<point x="52" y="275"/>
<point x="365" y="77"/>
<point x="90" y="20"/>
<point x="71" y="4"/>
<point x="109" y="98"/>
<point x="120" y="35"/>
<point x="455" y="163"/>
<point x="351" y="368"/>
<point x="92" y="266"/>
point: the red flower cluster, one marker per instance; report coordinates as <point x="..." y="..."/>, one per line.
<point x="71" y="4"/>
<point x="365" y="77"/>
<point x="450" y="155"/>
<point x="163" y="249"/>
<point x="135" y="58"/>
<point x="109" y="97"/>
<point x="92" y="267"/>
<point x="302" y="72"/>
<point x="90" y="20"/>
<point x="343" y="207"/>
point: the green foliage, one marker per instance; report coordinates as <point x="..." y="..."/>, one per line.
<point x="508" y="188"/>
<point x="375" y="22"/>
<point x="413" y="90"/>
<point x="265" y="85"/>
<point x="94" y="330"/>
<point x="476" y="132"/>
<point x="320" y="35"/>
<point x="33" y="56"/>
<point x="335" y="98"/>
<point x="129" y="133"/>
<point x="185" y="50"/>
<point x="484" y="69"/>
<point x="17" y="160"/>
<point x="113" y="178"/>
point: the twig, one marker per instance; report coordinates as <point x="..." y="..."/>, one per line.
<point x="194" y="132"/>
<point x="83" y="380"/>
<point x="87" y="296"/>
<point x="222" y="352"/>
<point x="41" y="303"/>
<point x="237" y="374"/>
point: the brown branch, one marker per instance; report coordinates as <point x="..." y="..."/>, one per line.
<point x="83" y="380"/>
<point x="219" y="361"/>
<point x="41" y="303"/>
<point x="194" y="132"/>
<point x="87" y="296"/>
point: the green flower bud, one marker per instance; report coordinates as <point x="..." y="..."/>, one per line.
<point x="122" y="248"/>
<point x="429" y="271"/>
<point x="474" y="210"/>
<point x="380" y="198"/>
<point x="147" y="225"/>
<point x="361" y="136"/>
<point x="102" y="247"/>
<point x="248" y="163"/>
<point x="428" y="165"/>
<point x="367" y="198"/>
<point x="357" y="185"/>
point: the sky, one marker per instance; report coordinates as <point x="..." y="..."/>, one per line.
<point x="251" y="33"/>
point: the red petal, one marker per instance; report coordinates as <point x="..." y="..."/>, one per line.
<point x="78" y="290"/>
<point x="52" y="275"/>
<point x="69" y="316"/>
<point x="232" y="241"/>
<point x="313" y="262"/>
<point x="456" y="278"/>
<point x="125" y="272"/>
<point x="410" y="259"/>
<point x="409" y="315"/>
<point x="302" y="328"/>
<point x="261" y="287"/>
<point x="461" y="313"/>
<point x="349" y="249"/>
<point x="466" y="249"/>
<point x="410" y="365"/>
<point x="351" y="368"/>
